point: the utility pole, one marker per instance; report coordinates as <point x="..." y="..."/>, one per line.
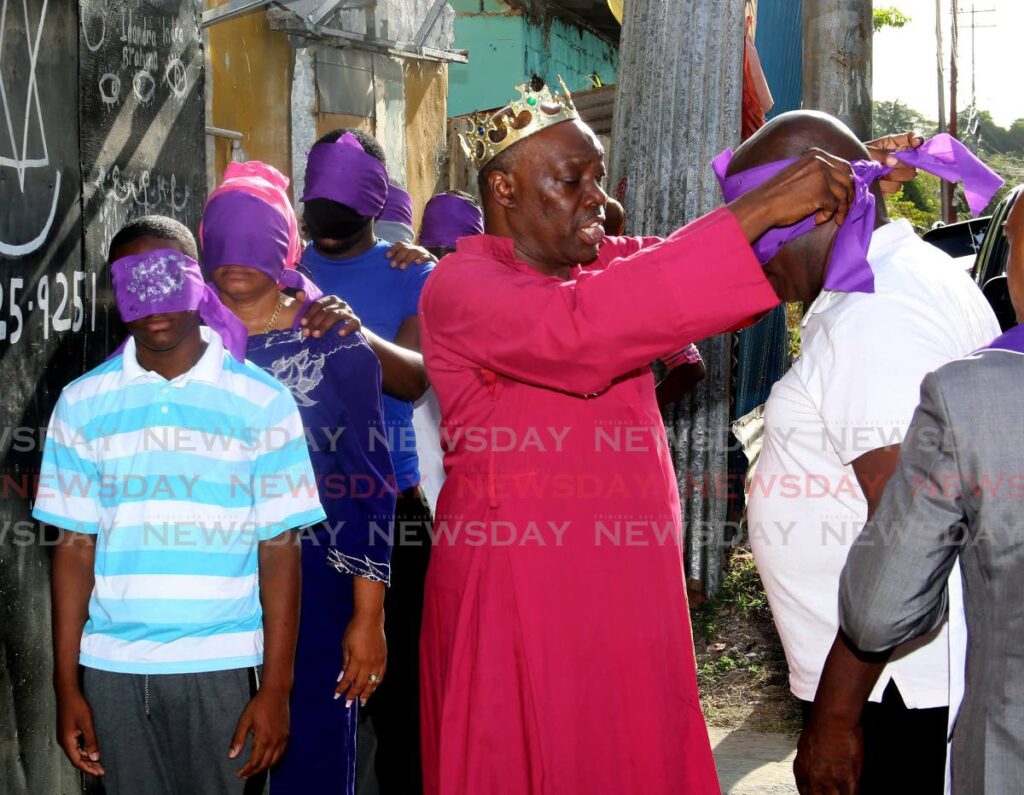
<point x="948" y="210"/>
<point x="837" y="60"/>
<point x="972" y="123"/>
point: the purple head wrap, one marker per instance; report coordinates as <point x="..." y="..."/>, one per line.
<point x="446" y="218"/>
<point x="397" y="207"/>
<point x="343" y="172"/>
<point x="848" y="269"/>
<point x="242" y="229"/>
<point x="166" y="280"/>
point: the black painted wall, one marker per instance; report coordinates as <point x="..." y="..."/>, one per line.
<point x="101" y="120"/>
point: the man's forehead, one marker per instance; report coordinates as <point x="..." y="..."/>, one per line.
<point x="569" y="139"/>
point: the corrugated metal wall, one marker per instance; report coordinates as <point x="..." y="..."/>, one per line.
<point x="762" y="350"/>
<point x="780" y="47"/>
<point x="679" y="99"/>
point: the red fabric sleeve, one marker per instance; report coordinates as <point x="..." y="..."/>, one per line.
<point x="579" y="336"/>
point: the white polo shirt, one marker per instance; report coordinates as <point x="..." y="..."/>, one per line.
<point x="853" y="390"/>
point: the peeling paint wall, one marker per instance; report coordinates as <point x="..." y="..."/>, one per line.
<point x="251" y="78"/>
<point x="558" y="48"/>
<point x="497" y="47"/>
<point x="268" y="91"/>
<point x="506" y="47"/>
<point x="426" y="88"/>
<point x="389" y="87"/>
<point x="303" y="126"/>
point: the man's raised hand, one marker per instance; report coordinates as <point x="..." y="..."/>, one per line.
<point x="881" y="150"/>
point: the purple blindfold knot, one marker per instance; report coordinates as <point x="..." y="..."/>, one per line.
<point x="242" y="229"/>
<point x="165" y="280"/>
<point x="448" y="217"/>
<point x="848" y="269"/>
<point x="343" y="172"/>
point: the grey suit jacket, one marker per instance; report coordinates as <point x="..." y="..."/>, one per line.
<point x="958" y="492"/>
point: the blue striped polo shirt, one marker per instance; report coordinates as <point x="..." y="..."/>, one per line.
<point x="180" y="481"/>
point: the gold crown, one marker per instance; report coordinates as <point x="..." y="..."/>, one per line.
<point x="486" y="135"/>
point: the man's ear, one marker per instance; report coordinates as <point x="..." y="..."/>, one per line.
<point x="503" y="187"/>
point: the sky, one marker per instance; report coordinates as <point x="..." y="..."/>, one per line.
<point x="904" y="58"/>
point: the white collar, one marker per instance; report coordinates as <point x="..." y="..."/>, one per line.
<point x="883" y="240"/>
<point x="209" y="368"/>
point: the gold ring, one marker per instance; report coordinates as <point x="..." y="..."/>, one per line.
<point x="374" y="679"/>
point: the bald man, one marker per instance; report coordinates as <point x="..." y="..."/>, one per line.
<point x="556" y="654"/>
<point x="833" y="425"/>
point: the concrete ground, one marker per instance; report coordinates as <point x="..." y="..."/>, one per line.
<point x="754" y="763"/>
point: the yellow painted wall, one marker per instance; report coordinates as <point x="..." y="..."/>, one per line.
<point x="426" y="116"/>
<point x="328" y="122"/>
<point x="251" y="73"/>
<point x="251" y="69"/>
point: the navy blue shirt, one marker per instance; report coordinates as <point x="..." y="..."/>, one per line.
<point x="383" y="297"/>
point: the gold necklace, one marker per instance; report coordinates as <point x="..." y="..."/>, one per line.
<point x="275" y="316"/>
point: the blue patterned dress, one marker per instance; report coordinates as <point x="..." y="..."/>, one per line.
<point x="336" y="384"/>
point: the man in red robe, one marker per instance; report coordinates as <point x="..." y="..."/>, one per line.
<point x="556" y="648"/>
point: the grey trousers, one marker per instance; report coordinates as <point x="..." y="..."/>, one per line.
<point x="168" y="734"/>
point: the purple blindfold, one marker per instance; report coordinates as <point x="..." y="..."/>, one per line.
<point x="242" y="229"/>
<point x="166" y="280"/>
<point x="343" y="172"/>
<point x="397" y="206"/>
<point x="848" y="269"/>
<point x="448" y="217"/>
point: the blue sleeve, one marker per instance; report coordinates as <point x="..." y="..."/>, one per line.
<point x="68" y="494"/>
<point x="363" y="548"/>
<point x="415" y="278"/>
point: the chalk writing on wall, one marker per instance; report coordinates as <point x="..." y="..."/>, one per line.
<point x="141" y="81"/>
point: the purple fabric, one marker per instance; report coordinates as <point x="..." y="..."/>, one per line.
<point x="947" y="158"/>
<point x="397" y="206"/>
<point x="848" y="269"/>
<point x="343" y="172"/>
<point x="448" y="217"/>
<point x="242" y="229"/>
<point x="1012" y="340"/>
<point x="166" y="280"/>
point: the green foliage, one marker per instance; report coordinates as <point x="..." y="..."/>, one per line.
<point x="794" y="314"/>
<point x="741" y="594"/>
<point x="895" y="117"/>
<point x="919" y="202"/>
<point x="742" y="586"/>
<point x="889" y="18"/>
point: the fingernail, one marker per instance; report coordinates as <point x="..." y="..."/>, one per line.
<point x="892" y="161"/>
<point x="341" y="676"/>
<point x="348" y="703"/>
<point x="362" y="702"/>
<point x="95" y="757"/>
<point x="337" y="696"/>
